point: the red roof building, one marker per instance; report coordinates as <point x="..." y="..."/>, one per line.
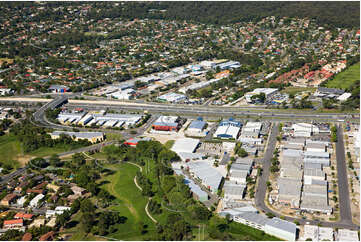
<point x="23" y="216"/>
<point x="9" y="224"/>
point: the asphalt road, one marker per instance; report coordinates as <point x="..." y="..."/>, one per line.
<point x="343" y="191"/>
<point x="345" y="221"/>
<point x="266" y="163"/>
<point x="6" y="178"/>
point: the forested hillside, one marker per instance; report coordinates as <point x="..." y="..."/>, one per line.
<point x="335" y="14"/>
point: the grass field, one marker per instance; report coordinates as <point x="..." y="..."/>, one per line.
<point x="10" y="150"/>
<point x="346" y="78"/>
<point x="131" y="203"/>
<point x="114" y="136"/>
<point x="47" y="151"/>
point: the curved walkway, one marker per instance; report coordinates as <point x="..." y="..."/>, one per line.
<point x="146" y="206"/>
<point x="172" y="210"/>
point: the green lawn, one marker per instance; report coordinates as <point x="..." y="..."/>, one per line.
<point x="131" y="203"/>
<point x="47" y="151"/>
<point x="10" y="149"/>
<point x="114" y="136"/>
<point x="346" y="78"/>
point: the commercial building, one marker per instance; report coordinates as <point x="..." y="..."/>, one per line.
<point x="58" y="88"/>
<point x="254" y="220"/>
<point x="304" y="129"/>
<point x="167" y="123"/>
<point x="269" y="92"/>
<point x="228" y="129"/>
<point x="92" y="137"/>
<point x="328" y="92"/>
<point x="250" y="133"/>
<point x="281" y="229"/>
<point x="172" y="97"/>
<point x="238" y="176"/>
<point x="228" y="65"/>
<point x="70" y="117"/>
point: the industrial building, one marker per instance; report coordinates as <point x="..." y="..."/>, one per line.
<point x="281" y="229"/>
<point x="172" y="97"/>
<point x="167" y="123"/>
<point x="233" y="191"/>
<point x="199" y="85"/>
<point x="209" y="176"/>
<point x="250" y="133"/>
<point x="315" y="199"/>
<point x="101" y="118"/>
<point x="316" y="233"/>
<point x="269" y="92"/>
<point x="93" y="137"/>
<point x="228" y="129"/>
<point x="304" y="129"/>
<point x="347" y="235"/>
<point x="196" y="126"/>
<point x="289" y="191"/>
<point x="185" y="148"/>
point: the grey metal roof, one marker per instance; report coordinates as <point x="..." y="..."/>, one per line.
<point x="282" y="225"/>
<point x="293" y="153"/>
<point x="312" y="166"/>
<point x="81" y="135"/>
<point x="197" y="124"/>
<point x="330" y="90"/>
<point x="289" y="186"/>
<point x="254" y="218"/>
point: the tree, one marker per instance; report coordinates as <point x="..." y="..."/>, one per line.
<point x="87" y="221"/>
<point x="54" y="160"/>
<point x="87" y="206"/>
<point x="242" y="152"/>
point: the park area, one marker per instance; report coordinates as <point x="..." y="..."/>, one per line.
<point x="346" y="78"/>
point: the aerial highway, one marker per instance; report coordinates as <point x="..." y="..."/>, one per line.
<point x="195" y="110"/>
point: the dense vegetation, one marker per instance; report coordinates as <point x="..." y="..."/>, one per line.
<point x="33" y="137"/>
<point x="336" y="14"/>
<point x="172" y="204"/>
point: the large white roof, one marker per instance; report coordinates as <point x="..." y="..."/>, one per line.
<point x="185" y="145"/>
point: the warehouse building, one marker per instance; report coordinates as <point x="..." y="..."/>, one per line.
<point x="70" y="117"/>
<point x="269" y="92"/>
<point x="172" y="97"/>
<point x="310" y="174"/>
<point x="233" y="191"/>
<point x="316" y="147"/>
<point x="167" y="123"/>
<point x="316" y="233"/>
<point x="252" y="219"/>
<point x="185" y="148"/>
<point x="197" y="126"/>
<point x="238" y="176"/>
<point x="228" y="129"/>
<point x="93" y="137"/>
<point x="289" y="191"/>
<point x="347" y="235"/>
<point x="126" y="119"/>
<point x="199" y="85"/>
<point x="304" y="130"/>
<point x="209" y="176"/>
<point x="315" y="199"/>
<point x="281" y="229"/>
